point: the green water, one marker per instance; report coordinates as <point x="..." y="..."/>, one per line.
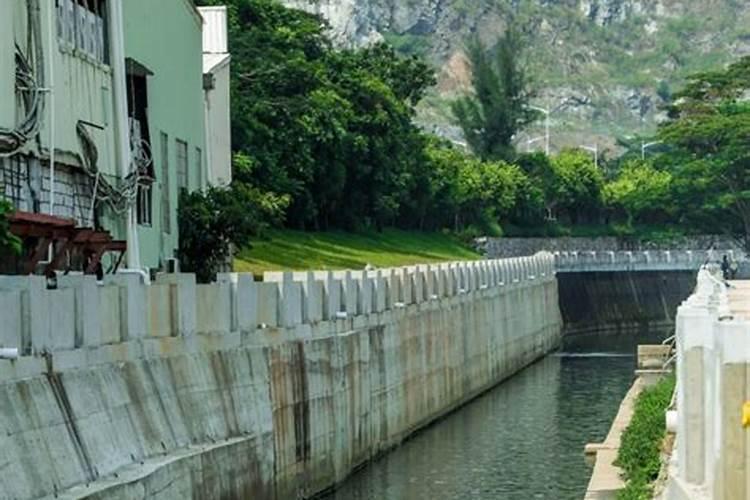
<point x="522" y="440"/>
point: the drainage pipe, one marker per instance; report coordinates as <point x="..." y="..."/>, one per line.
<point x="122" y="139"/>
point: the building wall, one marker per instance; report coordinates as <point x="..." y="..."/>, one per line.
<point x="220" y="131"/>
<point x="166" y="37"/>
<point x="276" y="389"/>
<point x="81" y="89"/>
<point x="7" y="66"/>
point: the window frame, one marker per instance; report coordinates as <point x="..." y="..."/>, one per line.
<point x="166" y="203"/>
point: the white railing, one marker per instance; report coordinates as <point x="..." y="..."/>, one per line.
<point x="649" y="260"/>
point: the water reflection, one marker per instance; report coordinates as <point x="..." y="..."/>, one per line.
<point x="522" y="440"/>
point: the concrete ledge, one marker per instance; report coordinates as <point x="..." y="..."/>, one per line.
<point x="606" y="479"/>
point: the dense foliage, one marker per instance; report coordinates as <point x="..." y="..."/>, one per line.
<point x="8" y="242"/>
<point x="640" y="448"/>
<point x="211" y="222"/>
<point x="709" y="132"/>
<point x="498" y="107"/>
<point x="328" y="135"/>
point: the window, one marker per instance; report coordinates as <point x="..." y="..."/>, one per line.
<point x="166" y="216"/>
<point x="182" y="165"/>
<point x="137" y="98"/>
<point x="199" y="167"/>
<point x="81" y="24"/>
<point x="144" y="205"/>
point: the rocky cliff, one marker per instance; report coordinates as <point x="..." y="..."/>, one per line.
<point x="606" y="65"/>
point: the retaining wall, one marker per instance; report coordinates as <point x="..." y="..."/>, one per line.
<point x="275" y="389"/>
<point x="621" y="302"/>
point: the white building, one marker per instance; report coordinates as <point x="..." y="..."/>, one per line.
<point x="216" y="90"/>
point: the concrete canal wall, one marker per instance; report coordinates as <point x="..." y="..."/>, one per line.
<point x="242" y="389"/>
<point x="621" y="302"/>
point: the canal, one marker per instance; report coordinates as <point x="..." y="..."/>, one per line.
<point x="522" y="440"/>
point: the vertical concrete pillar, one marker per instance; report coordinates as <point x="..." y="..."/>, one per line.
<point x="312" y="299"/>
<point x="86" y="296"/>
<point x="393" y="282"/>
<point x="419" y="285"/>
<point x="350" y="293"/>
<point x="268" y="303"/>
<point x="380" y="302"/>
<point x="133" y="310"/>
<point x="365" y="287"/>
<point x="290" y="303"/>
<point x="184" y="289"/>
<point x="331" y="294"/>
<point x="407" y="286"/>
<point x="244" y="300"/>
<point x="694" y="333"/>
<point x="440" y="280"/>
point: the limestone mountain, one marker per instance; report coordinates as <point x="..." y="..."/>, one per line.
<point x="606" y="66"/>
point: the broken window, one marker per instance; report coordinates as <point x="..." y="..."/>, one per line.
<point x="82" y="25"/>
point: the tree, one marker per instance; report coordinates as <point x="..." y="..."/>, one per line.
<point x="709" y="128"/>
<point x="576" y="185"/>
<point x="211" y="223"/>
<point x="9" y="243"/>
<point x="640" y="191"/>
<point x="498" y="106"/>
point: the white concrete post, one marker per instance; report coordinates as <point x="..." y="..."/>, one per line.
<point x="133" y="307"/>
<point x="407" y="286"/>
<point x="244" y="300"/>
<point x="350" y="291"/>
<point x="380" y="301"/>
<point x="184" y="290"/>
<point x="11" y="314"/>
<point x="87" y="323"/>
<point x="365" y="293"/>
<point x="290" y="303"/>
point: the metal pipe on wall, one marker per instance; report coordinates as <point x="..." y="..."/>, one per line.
<point x="122" y="138"/>
<point x="51" y="100"/>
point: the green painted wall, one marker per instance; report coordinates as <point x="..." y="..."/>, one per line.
<point x="166" y="37"/>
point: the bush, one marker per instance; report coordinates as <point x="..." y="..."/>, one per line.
<point x="640" y="448"/>
<point x="212" y="221"/>
<point x="9" y="243"/>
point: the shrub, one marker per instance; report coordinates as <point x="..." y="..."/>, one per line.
<point x="640" y="448"/>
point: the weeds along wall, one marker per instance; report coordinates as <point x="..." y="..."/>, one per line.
<point x="240" y="389"/>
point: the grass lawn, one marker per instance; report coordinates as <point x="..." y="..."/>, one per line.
<point x="295" y="250"/>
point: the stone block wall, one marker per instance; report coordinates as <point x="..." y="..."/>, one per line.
<point x="240" y="389"/>
<point x="496" y="248"/>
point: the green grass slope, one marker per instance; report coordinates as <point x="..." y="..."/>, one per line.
<point x="294" y="250"/>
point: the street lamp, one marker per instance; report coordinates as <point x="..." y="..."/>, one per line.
<point x="546" y="125"/>
<point x="646" y="145"/>
<point x="594" y="149"/>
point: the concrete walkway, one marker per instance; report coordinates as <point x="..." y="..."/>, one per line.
<point x="605" y="480"/>
<point x="739" y="298"/>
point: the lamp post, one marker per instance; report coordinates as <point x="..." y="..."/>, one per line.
<point x="646" y="145"/>
<point x="594" y="149"/>
<point x="546" y="125"/>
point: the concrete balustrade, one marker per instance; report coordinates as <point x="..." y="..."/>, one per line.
<point x="82" y="313"/>
<point x="712" y="458"/>
<point x="278" y="388"/>
<point x="650" y="260"/>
